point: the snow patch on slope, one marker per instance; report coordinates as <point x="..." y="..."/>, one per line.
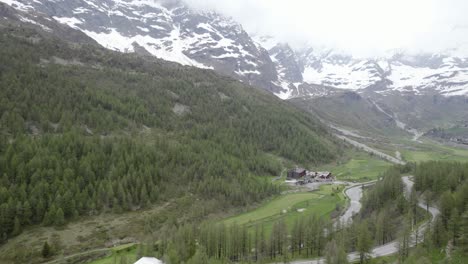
<point x="342" y="76"/>
<point x="116" y="41"/>
<point x="447" y="76"/>
<point x="17" y="4"/>
<point x="27" y="20"/>
<point x="448" y="79"/>
<point x="70" y="21"/>
<point x="266" y="42"/>
<point x="286" y="93"/>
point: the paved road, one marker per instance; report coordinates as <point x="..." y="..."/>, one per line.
<point x="392" y="247"/>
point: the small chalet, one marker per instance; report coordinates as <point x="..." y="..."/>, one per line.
<point x="296" y="173"/>
<point x="324" y="176"/>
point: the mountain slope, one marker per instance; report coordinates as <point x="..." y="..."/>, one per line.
<point x="169" y="30"/>
<point x="349" y="110"/>
<point x="173" y="31"/>
<point x="85" y="130"/>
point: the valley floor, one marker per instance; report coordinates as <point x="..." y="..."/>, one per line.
<point x="328" y="201"/>
<point x="401" y="149"/>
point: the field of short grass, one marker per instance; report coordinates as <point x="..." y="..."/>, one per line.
<point x="358" y="166"/>
<point x="431" y="150"/>
<point x="290" y="207"/>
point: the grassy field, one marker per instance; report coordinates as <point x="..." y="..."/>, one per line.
<point x="358" y="166"/>
<point x="424" y="149"/>
<point x="121" y="254"/>
<point x="431" y="150"/>
<point x="289" y="207"/>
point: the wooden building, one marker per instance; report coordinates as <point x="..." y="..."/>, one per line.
<point x="325" y="176"/>
<point x="296" y="173"/>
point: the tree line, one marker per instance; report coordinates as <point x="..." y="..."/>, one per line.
<point x="445" y="185"/>
<point x="308" y="237"/>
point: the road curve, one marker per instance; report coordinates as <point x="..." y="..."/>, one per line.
<point x="354" y="193"/>
<point x="389" y="248"/>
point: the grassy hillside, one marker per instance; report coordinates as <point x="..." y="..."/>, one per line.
<point x="356" y="166"/>
<point x="425" y="112"/>
<point x="350" y="110"/>
<point x="85" y="130"/>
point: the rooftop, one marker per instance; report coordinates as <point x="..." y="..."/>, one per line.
<point x="148" y="260"/>
<point x="299" y="170"/>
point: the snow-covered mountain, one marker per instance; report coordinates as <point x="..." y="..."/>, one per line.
<point x="403" y="73"/>
<point x="287" y="64"/>
<point x="167" y="29"/>
<point x="173" y="31"/>
<point x="340" y="71"/>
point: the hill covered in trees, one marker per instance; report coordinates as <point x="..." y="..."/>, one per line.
<point x="437" y="184"/>
<point x="84" y="130"/>
<point x="445" y="185"/>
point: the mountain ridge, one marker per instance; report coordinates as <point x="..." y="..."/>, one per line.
<point x="415" y="88"/>
<point x="174" y="31"/>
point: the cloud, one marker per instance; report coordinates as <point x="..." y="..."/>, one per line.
<point x="360" y="27"/>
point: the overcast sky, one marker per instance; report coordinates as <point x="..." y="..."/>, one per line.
<point x="361" y="27"/>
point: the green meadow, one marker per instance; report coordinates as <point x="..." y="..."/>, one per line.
<point x="289" y="207"/>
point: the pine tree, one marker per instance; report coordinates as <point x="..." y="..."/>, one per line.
<point x="438" y="232"/>
<point x="464" y="231"/>
<point x="123" y="260"/>
<point x="404" y="240"/>
<point x="46" y="252"/>
<point x="28" y="212"/>
<point x="454" y="226"/>
<point x="262" y="243"/>
<point x="59" y="217"/>
<point x="50" y="216"/>
<point x="335" y="254"/>
<point x="428" y="196"/>
<point x="200" y="257"/>
<point x="17" y="227"/>
<point x="364" y="242"/>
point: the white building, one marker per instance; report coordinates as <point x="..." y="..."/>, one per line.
<point x="147" y="260"/>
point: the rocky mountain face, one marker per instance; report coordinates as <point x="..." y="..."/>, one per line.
<point x="173" y="31"/>
<point x="167" y="29"/>
<point x="400" y="73"/>
<point x="47" y="25"/>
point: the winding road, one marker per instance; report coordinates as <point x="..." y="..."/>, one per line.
<point x="355" y="194"/>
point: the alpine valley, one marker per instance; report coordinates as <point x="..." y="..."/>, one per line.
<point x="139" y="130"/>
<point x="406" y="91"/>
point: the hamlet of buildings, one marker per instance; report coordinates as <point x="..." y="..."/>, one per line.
<point x="303" y="176"/>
